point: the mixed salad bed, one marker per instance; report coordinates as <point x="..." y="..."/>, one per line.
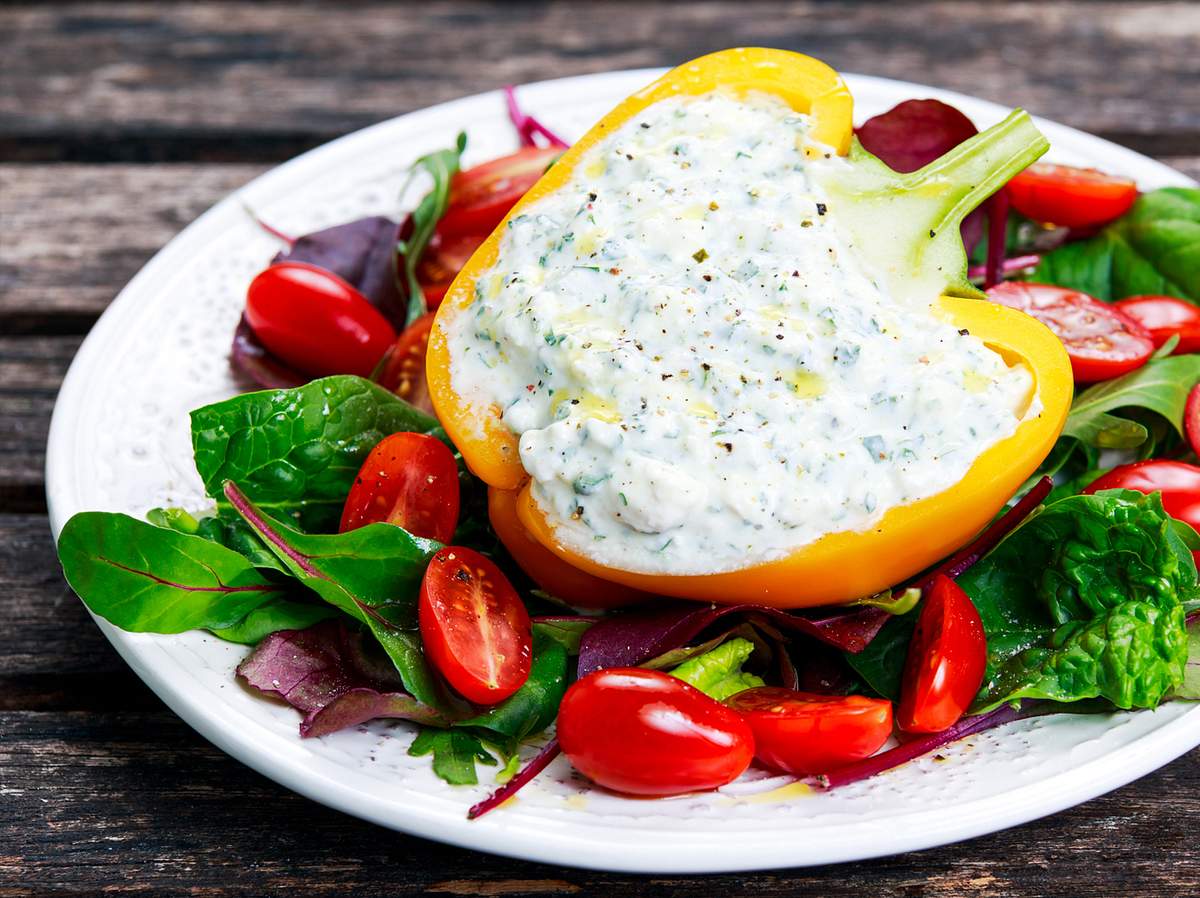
<point x="351" y="547"/>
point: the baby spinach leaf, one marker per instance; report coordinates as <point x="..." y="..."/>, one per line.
<point x="718" y="672"/>
<point x="1153" y="249"/>
<point x="148" y="579"/>
<point x="372" y="573"/>
<point x="296" y="452"/>
<point x="1190" y="687"/>
<point x="1160" y="386"/>
<point x="566" y="631"/>
<point x="441" y="166"/>
<point x="455" y="753"/>
<point x="281" y="614"/>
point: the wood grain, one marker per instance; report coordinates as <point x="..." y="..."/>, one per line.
<point x="219" y="81"/>
<point x="135" y="802"/>
<point x="73" y="235"/>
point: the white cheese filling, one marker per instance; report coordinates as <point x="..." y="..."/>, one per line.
<point x="702" y="374"/>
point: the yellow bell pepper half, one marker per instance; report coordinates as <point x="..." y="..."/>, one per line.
<point x="838" y="567"/>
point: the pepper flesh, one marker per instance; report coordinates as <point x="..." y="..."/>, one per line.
<point x="914" y="219"/>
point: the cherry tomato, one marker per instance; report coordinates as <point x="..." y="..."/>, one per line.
<point x="403" y="370"/>
<point x="441" y="262"/>
<point x="546" y="569"/>
<point x="1191" y="419"/>
<point x="946" y="661"/>
<point x="1163" y="317"/>
<point x="475" y="630"/>
<point x="1177" y="481"/>
<point x="411" y="480"/>
<point x="643" y="732"/>
<point x="481" y="196"/>
<point x="1069" y="196"/>
<point x="805" y="733"/>
<point x="1102" y="341"/>
<point x="315" y="321"/>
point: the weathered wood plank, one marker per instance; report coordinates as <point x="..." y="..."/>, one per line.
<point x="140" y="81"/>
<point x="72" y="235"/>
<point x="138" y="803"/>
<point x="53" y="657"/>
<point x="31" y="370"/>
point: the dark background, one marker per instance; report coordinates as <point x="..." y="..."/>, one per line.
<point x="119" y="123"/>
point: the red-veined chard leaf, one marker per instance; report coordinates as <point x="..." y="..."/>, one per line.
<point x="144" y="578"/>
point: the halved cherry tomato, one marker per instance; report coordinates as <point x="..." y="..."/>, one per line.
<point x="443" y="258"/>
<point x="410" y="480"/>
<point x="1177" y="481"/>
<point x="1191" y="419"/>
<point x="1163" y="317"/>
<point x="1102" y="341"/>
<point x="546" y="569"/>
<point x="315" y="321"/>
<point x="643" y="732"/>
<point x="804" y="733"/>
<point x="946" y="661"/>
<point x="403" y="370"/>
<point x="1069" y="196"/>
<point x="475" y="630"/>
<point x="481" y="196"/>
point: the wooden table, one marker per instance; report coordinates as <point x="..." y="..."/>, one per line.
<point x="119" y="123"/>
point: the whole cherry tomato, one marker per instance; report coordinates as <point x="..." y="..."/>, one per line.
<point x="643" y="732"/>
<point x="1102" y="341"/>
<point x="946" y="660"/>
<point x="546" y="569"/>
<point x="806" y="733"/>
<point x="481" y="196"/>
<point x="410" y="480"/>
<point x="315" y="321"/>
<point x="1177" y="481"/>
<point x="1069" y="196"/>
<point x="1163" y="317"/>
<point x="475" y="630"/>
<point x="403" y="370"/>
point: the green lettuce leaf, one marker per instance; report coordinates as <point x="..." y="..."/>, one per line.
<point x="281" y="614"/>
<point x="455" y="754"/>
<point x="718" y="672"/>
<point x="1153" y="249"/>
<point x="441" y="166"/>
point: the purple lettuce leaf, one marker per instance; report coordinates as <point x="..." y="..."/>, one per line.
<point x="634" y="637"/>
<point x="363" y="254"/>
<point x="912" y="134"/>
<point x="526" y="125"/>
<point x="256" y="364"/>
<point x="330" y="673"/>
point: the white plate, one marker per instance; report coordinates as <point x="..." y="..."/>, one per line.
<point x="119" y="441"/>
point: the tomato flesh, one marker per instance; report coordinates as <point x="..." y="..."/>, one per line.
<point x="481" y="196"/>
<point x="1177" y="481"/>
<point x="441" y="262"/>
<point x="474" y="628"/>
<point x="1191" y="419"/>
<point x="946" y="661"/>
<point x="643" y="732"/>
<point x="1102" y="341"/>
<point x="805" y="733"/>
<point x="410" y="480"/>
<point x="403" y="370"/>
<point x="1070" y="197"/>
<point x="315" y="321"/>
<point x="1164" y="317"/>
